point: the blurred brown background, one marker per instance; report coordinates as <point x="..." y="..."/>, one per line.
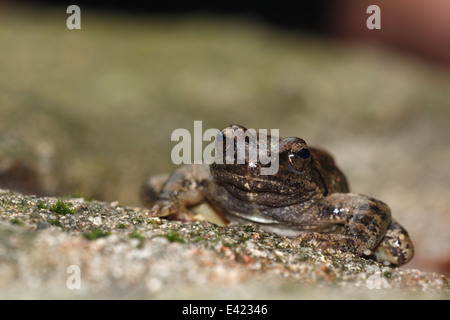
<point x="415" y="27"/>
<point x="90" y="112"/>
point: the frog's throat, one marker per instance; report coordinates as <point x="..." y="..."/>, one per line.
<point x="267" y="224"/>
<point x="254" y="218"/>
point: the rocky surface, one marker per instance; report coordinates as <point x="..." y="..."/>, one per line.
<point x="50" y="245"/>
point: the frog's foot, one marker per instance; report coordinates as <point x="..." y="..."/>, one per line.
<point x="162" y="209"/>
<point x="363" y="222"/>
<point x="396" y="247"/>
<point x="171" y="211"/>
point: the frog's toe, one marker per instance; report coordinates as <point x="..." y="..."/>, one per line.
<point x="171" y="211"/>
<point x="396" y="247"/>
<point x="161" y="210"/>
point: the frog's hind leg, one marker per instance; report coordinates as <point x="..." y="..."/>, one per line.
<point x="362" y="222"/>
<point x="396" y="247"/>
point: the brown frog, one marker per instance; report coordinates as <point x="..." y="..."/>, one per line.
<point x="308" y="197"/>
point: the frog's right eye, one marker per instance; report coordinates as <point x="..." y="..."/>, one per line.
<point x="223" y="143"/>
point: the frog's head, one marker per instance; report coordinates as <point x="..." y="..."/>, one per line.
<point x="296" y="180"/>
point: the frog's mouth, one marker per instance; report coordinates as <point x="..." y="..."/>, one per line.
<point x="262" y="190"/>
<point x="258" y="192"/>
<point x="241" y="181"/>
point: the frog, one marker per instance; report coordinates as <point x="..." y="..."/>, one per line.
<point x="308" y="199"/>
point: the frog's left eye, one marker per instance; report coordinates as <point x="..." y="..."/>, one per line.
<point x="299" y="159"/>
<point x="303" y="153"/>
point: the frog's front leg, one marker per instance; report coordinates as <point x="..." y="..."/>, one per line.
<point x="172" y="195"/>
<point x="356" y="223"/>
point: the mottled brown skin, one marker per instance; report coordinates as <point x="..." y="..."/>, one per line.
<point x="307" y="198"/>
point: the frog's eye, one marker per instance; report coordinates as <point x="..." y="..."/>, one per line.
<point x="303" y="153"/>
<point x="223" y="143"/>
<point x="299" y="159"/>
